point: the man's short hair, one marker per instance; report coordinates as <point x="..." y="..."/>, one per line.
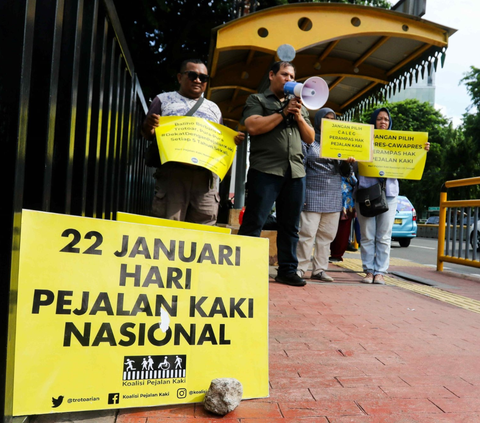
<point x="280" y="64"/>
<point x="183" y="66"/>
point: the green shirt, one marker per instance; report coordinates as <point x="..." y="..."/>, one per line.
<point x="275" y="151"/>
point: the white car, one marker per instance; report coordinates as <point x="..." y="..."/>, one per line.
<point x="474" y="240"/>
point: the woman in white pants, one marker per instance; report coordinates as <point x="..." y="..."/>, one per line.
<point x="376" y="232"/>
<point x="323" y="203"/>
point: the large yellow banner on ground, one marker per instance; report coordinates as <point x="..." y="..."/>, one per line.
<point x="196" y="141"/>
<point x="115" y="315"/>
<point x="397" y="154"/>
<point x="341" y="140"/>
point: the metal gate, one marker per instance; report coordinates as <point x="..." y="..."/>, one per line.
<point x="70" y="107"/>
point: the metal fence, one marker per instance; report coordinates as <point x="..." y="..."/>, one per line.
<point x="458" y="228"/>
<point x="70" y="106"/>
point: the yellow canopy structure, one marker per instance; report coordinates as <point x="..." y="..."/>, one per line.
<point x="363" y="53"/>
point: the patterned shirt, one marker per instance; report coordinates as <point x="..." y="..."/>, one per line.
<point x="348" y="185"/>
<point x="174" y="104"/>
<point x="323" y="192"/>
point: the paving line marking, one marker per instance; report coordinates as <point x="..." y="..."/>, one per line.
<point x="429" y="291"/>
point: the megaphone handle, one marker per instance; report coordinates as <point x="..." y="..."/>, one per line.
<point x="289" y="118"/>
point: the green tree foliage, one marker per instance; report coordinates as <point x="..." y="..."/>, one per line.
<point x="413" y="115"/>
<point x="471" y="119"/>
<point x="454" y="152"/>
<point x="472" y="81"/>
<point x="463" y="155"/>
<point x="460" y="162"/>
<point x="163" y="33"/>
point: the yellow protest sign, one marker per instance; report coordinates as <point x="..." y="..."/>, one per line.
<point x="397" y="154"/>
<point x="150" y="220"/>
<point x="341" y="140"/>
<point x="196" y="141"/>
<point x="113" y="315"/>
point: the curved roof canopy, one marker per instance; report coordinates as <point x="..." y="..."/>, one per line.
<point x="363" y="53"/>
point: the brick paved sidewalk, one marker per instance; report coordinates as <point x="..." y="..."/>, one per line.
<point x="351" y="352"/>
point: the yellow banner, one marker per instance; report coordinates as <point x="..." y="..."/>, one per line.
<point x="196" y="141"/>
<point x="341" y="140"/>
<point x="397" y="154"/>
<point x="150" y="220"/>
<point x="114" y="315"/>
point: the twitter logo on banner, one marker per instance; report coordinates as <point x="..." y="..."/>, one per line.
<point x="57" y="401"/>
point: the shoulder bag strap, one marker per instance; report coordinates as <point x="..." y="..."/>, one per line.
<point x="195" y="106"/>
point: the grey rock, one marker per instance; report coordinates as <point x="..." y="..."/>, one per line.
<point x="223" y="396"/>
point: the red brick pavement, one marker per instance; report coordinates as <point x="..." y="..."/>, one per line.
<point x="350" y="352"/>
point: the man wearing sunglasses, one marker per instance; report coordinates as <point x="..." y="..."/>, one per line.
<point x="182" y="191"/>
<point x="277" y="126"/>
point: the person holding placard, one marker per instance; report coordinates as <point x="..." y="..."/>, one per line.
<point x="376" y="232"/>
<point x="323" y="204"/>
<point x="184" y="191"/>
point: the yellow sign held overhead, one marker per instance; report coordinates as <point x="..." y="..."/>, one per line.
<point x="196" y="141"/>
<point x="341" y="140"/>
<point x="112" y="315"/>
<point x="397" y="154"/>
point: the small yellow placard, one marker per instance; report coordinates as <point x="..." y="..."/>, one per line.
<point x="196" y="141"/>
<point x="341" y="140"/>
<point x="112" y="314"/>
<point x="397" y="154"/>
<point x="150" y="220"/>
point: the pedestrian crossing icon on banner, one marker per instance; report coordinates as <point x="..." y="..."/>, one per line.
<point x="154" y="367"/>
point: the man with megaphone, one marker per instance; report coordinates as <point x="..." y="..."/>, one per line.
<point x="277" y="124"/>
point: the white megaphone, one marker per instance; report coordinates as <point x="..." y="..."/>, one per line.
<point x="313" y="92"/>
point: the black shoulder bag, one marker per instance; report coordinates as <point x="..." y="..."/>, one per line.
<point x="152" y="155"/>
<point x="372" y="200"/>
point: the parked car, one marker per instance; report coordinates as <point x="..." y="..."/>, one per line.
<point x="474" y="240"/>
<point x="435" y="220"/>
<point x="405" y="223"/>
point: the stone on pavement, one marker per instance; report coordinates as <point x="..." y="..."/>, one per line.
<point x="223" y="396"/>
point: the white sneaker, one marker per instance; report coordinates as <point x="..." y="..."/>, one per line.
<point x="322" y="276"/>
<point x="368" y="278"/>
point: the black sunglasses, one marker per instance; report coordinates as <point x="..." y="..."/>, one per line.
<point x="194" y="75"/>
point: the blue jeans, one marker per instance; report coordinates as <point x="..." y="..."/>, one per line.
<point x="263" y="190"/>
<point x="376" y="233"/>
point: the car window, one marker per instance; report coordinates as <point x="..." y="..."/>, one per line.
<point x="403" y="204"/>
